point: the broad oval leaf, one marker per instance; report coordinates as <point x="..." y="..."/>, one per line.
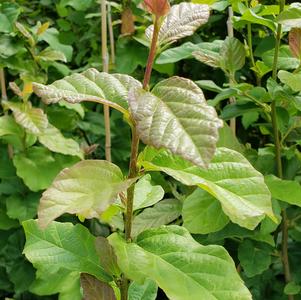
<point x="180" y="266"/>
<point x="175" y="116"/>
<point x="202" y="213"/>
<point x="182" y="20"/>
<point x="87" y="189"/>
<point x="230" y="178"/>
<point x="90" y="85"/>
<point x="62" y="245"/>
<point x="31" y="118"/>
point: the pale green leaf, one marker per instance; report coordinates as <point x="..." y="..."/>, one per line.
<point x="175" y="115"/>
<point x="293" y="80"/>
<point x="145" y="291"/>
<point x="62" y="245"/>
<point x="288" y="191"/>
<point x="292" y="288"/>
<point x="8" y="126"/>
<point x="90" y="85"/>
<point x="86" y="189"/>
<point x="31" y="118"/>
<point x="51" y="55"/>
<point x="162" y="213"/>
<point x="202" y="213"/>
<point x="180" y="266"/>
<point x="230" y="178"/>
<point x="54" y="140"/>
<point x="290" y="17"/>
<point x="146" y="194"/>
<point x="182" y="20"/>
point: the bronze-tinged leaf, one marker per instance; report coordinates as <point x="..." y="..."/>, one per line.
<point x="95" y="289"/>
<point x="295" y="42"/>
<point x="127" y="22"/>
<point x="159" y="8"/>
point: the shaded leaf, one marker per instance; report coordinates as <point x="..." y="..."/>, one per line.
<point x="175" y="115"/>
<point x="86" y="189"/>
<point x="95" y="289"/>
<point x="161" y="213"/>
<point x="51" y="55"/>
<point x="202" y="213"/>
<point x="230" y="178"/>
<point x="182" y="20"/>
<point x="62" y="245"/>
<point x="145" y="291"/>
<point x="180" y="266"/>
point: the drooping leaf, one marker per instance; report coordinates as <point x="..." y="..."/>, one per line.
<point x="32" y="119"/>
<point x="202" y="213"/>
<point x="87" y="189"/>
<point x="51" y="55"/>
<point x="90" y="85"/>
<point x="38" y="167"/>
<point x="232" y="55"/>
<point x="180" y="266"/>
<point x="145" y="291"/>
<point x="288" y="191"/>
<point x="62" y="245"/>
<point x="94" y="289"/>
<point x="182" y="20"/>
<point x="161" y="213"/>
<point x="254" y="257"/>
<point x="175" y="115"/>
<point x="146" y="194"/>
<point x="230" y="178"/>
<point x="54" y="140"/>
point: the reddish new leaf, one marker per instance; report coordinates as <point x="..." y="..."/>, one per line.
<point x="159" y="8"/>
<point x="295" y="42"/>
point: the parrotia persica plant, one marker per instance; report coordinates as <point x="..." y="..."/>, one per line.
<point x="188" y="181"/>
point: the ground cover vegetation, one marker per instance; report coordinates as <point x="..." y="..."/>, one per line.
<point x="150" y="150"/>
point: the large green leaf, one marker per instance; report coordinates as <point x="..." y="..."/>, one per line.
<point x="86" y="189"/>
<point x="162" y="213"/>
<point x="293" y="80"/>
<point x="90" y="85"/>
<point x="175" y="115"/>
<point x="290" y="17"/>
<point x="230" y="178"/>
<point x="146" y="194"/>
<point x="32" y="119"/>
<point x="202" y="213"/>
<point x="145" y="291"/>
<point x="180" y="266"/>
<point x="288" y="191"/>
<point x="38" y="167"/>
<point x="182" y="20"/>
<point x="54" y="140"/>
<point x="62" y="245"/>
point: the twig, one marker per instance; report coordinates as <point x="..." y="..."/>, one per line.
<point x="111" y="34"/>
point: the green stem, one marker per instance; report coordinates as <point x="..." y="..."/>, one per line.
<point x="284" y="227"/>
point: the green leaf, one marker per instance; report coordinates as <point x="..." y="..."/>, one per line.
<point x="182" y="20"/>
<point x="285" y="60"/>
<point x="285" y="190"/>
<point x="175" y="115"/>
<point x="292" y="288"/>
<point x="77" y="4"/>
<point x="90" y="85"/>
<point x="94" y="289"/>
<point x="8" y="126"/>
<point x="202" y="213"/>
<point x="145" y="291"/>
<point x="38" y="167"/>
<point x="293" y="80"/>
<point x="180" y="266"/>
<point x="146" y="194"/>
<point x="62" y="245"/>
<point x="228" y="140"/>
<point x="232" y="55"/>
<point x="290" y="17"/>
<point x="161" y="213"/>
<point x="87" y="189"/>
<point x="9" y="13"/>
<point x="230" y="178"/>
<point x="54" y="140"/>
<point x="51" y="55"/>
<point x="22" y="208"/>
<point x="255" y="258"/>
<point x="32" y="119"/>
<point x="5" y="221"/>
